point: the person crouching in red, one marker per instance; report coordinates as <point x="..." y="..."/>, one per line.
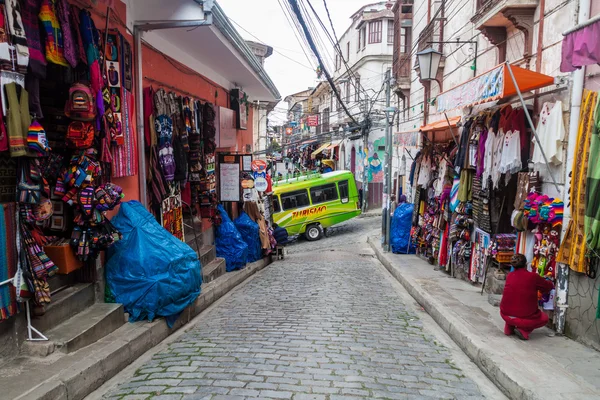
<point x="519" y="304"/>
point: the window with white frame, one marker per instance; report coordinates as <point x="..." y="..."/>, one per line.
<point x="357" y="89"/>
<point x="375" y="31"/>
<point x="390" y="31"/>
<point x="363" y="37"/>
<point x="348" y="51"/>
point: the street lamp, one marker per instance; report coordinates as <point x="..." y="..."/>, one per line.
<point x="429" y="62"/>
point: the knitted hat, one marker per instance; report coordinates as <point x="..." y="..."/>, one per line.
<point x="36" y="138"/>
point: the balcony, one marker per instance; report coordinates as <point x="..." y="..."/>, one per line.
<point x="494" y="16"/>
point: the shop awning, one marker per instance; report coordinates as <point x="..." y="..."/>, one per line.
<point x="319" y="150"/>
<point x="440" y="125"/>
<point x="335" y="144"/>
<point x="490" y="86"/>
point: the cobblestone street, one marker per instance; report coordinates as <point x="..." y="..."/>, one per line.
<point x="326" y="323"/>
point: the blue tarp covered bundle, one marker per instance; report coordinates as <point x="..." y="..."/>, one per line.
<point x="249" y="231"/>
<point x="150" y="271"/>
<point x="400" y="233"/>
<point x="229" y="243"/>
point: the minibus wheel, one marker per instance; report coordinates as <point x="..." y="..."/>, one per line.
<point x="313" y="232"/>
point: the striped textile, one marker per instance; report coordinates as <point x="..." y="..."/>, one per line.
<point x="573" y="247"/>
<point x="125" y="156"/>
<point x="8" y="259"/>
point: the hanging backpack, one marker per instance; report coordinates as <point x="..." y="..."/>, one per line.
<point x="81" y="105"/>
<point x="80" y="135"/>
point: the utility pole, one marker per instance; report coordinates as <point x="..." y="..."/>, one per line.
<point x="388" y="155"/>
<point x="365" y="178"/>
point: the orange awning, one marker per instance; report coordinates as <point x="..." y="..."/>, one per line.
<point x="440" y="125"/>
<point x="492" y="85"/>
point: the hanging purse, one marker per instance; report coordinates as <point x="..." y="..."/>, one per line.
<point x="28" y="190"/>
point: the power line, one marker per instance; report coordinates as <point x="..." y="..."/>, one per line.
<point x="296" y="9"/>
<point x="295" y="34"/>
<point x="275" y="50"/>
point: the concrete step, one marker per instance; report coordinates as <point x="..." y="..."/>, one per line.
<point x="207" y="254"/>
<point x="65" y="304"/>
<point x="87" y="327"/>
<point x="213" y="270"/>
<point x="58" y="282"/>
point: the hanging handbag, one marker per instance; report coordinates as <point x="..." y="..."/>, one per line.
<point x="29" y="191"/>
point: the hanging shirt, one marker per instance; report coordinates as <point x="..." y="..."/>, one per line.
<point x="488" y="158"/>
<point x="510" y="162"/>
<point x="551" y="132"/>
<point x="498" y="147"/>
<point x="424" y="172"/>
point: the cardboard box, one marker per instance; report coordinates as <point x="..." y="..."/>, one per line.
<point x="64" y="258"/>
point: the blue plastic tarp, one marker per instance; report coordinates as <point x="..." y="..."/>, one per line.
<point x="150" y="271"/>
<point x="401" y="226"/>
<point x="249" y="231"/>
<point x="229" y="243"/>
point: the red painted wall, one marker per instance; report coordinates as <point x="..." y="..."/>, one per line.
<point x="162" y="71"/>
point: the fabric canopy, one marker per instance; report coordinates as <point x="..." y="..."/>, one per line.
<point x="490" y="86"/>
<point x="333" y="145"/>
<point x="319" y="150"/>
<point x="440" y="125"/>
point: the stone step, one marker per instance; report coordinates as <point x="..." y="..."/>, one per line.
<point x="65" y="304"/>
<point x="87" y="327"/>
<point x="207" y="254"/>
<point x="213" y="270"/>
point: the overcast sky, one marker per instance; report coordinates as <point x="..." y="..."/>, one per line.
<point x="288" y="67"/>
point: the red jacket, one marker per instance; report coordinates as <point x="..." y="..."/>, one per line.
<point x="520" y="297"/>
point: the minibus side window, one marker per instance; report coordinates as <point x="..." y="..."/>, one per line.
<point x="343" y="186"/>
<point x="323" y="193"/>
<point x="296" y="199"/>
<point x="276" y="207"/>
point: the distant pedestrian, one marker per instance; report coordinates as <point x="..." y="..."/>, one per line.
<point x="519" y="304"/>
<point x="393" y="204"/>
<point x="360" y="197"/>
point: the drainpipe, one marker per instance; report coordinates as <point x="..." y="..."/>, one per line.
<point x="562" y="272"/>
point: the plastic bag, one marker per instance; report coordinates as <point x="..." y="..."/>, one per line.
<point x="229" y="243"/>
<point x="150" y="271"/>
<point x="249" y="231"/>
<point x="400" y="233"/>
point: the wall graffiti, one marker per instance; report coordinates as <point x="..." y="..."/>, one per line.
<point x="372" y="159"/>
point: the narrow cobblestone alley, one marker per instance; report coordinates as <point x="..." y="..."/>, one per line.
<point x="326" y="323"/>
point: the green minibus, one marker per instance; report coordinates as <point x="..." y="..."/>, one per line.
<point x="310" y="204"/>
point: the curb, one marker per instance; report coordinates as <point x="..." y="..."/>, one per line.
<point x="113" y="353"/>
<point x="459" y="333"/>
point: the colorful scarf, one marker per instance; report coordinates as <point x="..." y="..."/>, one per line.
<point x="70" y="48"/>
<point x="573" y="248"/>
<point x="125" y="157"/>
<point x="54" y="37"/>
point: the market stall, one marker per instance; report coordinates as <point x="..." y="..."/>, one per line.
<point x="478" y="193"/>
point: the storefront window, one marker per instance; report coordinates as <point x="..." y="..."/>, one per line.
<point x="296" y="199"/>
<point x="324" y="193"/>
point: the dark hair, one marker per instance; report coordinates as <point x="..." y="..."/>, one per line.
<point x="518" y="261"/>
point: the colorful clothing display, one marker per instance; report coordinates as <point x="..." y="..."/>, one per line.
<point x="573" y="247"/>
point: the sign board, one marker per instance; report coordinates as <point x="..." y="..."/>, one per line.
<point x="289" y="131"/>
<point x="313" y="120"/>
<point x="259" y="166"/>
<point x="406" y="139"/>
<point x="485" y="87"/>
<point x="233" y="176"/>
